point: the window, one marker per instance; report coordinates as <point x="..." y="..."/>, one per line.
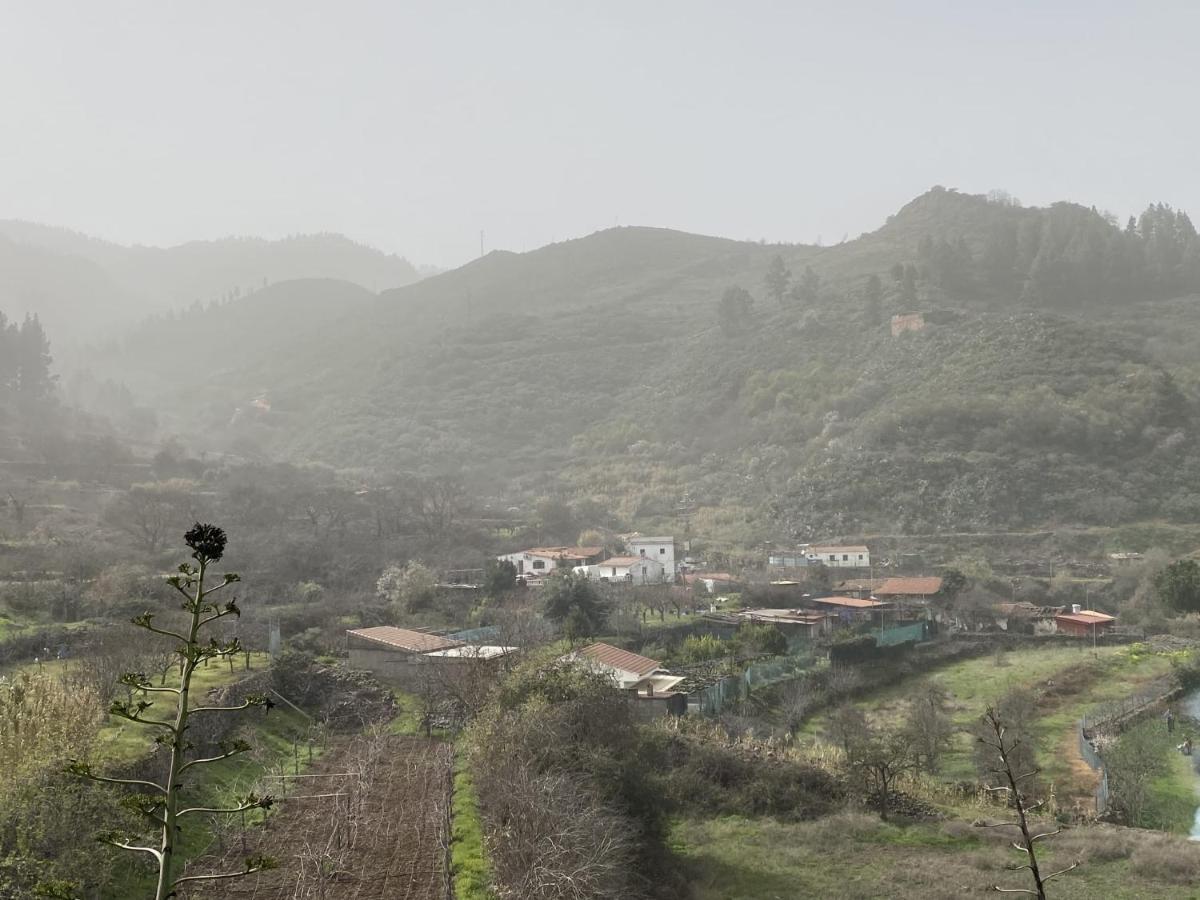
<point x="662" y="549"/>
<point x="539" y="564"/>
<point x="845" y="557"/>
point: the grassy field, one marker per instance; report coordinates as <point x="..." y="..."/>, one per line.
<point x="853" y="856"/>
<point x="122" y="741"/>
<point x="1070" y="680"/>
<point x="281" y="746"/>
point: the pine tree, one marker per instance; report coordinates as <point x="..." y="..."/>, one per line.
<point x="33" y="380"/>
<point x="777" y="279"/>
<point x="807" y="289"/>
<point x="734" y="310"/>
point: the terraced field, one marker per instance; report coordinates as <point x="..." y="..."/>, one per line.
<point x="370" y="822"/>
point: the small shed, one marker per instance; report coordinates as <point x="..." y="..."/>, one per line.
<point x="851" y="608"/>
<point x="794" y="623"/>
<point x="907" y="588"/>
<point x="390" y="651"/>
<point x="1084" y="623"/>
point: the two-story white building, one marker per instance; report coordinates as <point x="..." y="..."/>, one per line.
<point x="660" y="549"/>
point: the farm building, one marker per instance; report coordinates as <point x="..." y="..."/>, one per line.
<point x="544" y="560"/>
<point x="922" y="588"/>
<point x="653" y="687"/>
<point x="396" y="653"/>
<point x="794" y="623"/>
<point x="1084" y="622"/>
<point x="838" y="557"/>
<point x="849" y="609"/>
<point x="1027" y="618"/>
<point x="627" y="570"/>
<point x="788" y="559"/>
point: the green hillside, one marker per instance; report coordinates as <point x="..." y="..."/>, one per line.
<point x="1052" y="381"/>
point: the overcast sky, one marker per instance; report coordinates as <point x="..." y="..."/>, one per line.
<point x="414" y="126"/>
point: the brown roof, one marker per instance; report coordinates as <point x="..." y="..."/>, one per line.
<point x="1087" y="617"/>
<point x="829" y="548"/>
<point x="608" y="655"/>
<point x="910" y="587"/>
<point x="566" y="552"/>
<point x="627" y="560"/>
<point x="404" y="639"/>
<point x="853" y="602"/>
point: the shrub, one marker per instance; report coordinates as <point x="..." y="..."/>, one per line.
<point x="1164" y="859"/>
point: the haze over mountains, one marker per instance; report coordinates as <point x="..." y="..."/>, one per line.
<point x="86" y="289"/>
<point x="1052" y="360"/>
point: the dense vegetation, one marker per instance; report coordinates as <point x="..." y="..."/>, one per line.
<point x="762" y="383"/>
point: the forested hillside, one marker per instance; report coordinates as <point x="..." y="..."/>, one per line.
<point x="641" y="365"/>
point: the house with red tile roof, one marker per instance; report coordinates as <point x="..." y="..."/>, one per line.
<point x="629" y="671"/>
<point x="1084" y="622"/>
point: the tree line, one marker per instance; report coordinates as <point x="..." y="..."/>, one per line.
<point x="25" y="360"/>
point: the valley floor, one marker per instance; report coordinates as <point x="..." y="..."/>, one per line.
<point x="855" y="856"/>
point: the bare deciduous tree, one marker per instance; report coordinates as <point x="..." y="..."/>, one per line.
<point x="930" y="727"/>
<point x="1002" y="745"/>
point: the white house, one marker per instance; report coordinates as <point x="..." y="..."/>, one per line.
<point x="544" y="560"/>
<point x="836" y="557"/>
<point x="661" y="549"/>
<point x="627" y="569"/>
<point x="628" y="671"/>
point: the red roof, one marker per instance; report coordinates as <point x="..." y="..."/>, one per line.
<point x="404" y="639"/>
<point x="1086" y="617"/>
<point x="608" y="655"/>
<point x="910" y="587"/>
<point x="851" y="602"/>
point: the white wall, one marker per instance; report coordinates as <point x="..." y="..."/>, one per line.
<point x="661" y="551"/>
<point x="834" y="560"/>
<point x="525" y="563"/>
<point x="655" y="572"/>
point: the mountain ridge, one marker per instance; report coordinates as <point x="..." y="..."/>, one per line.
<point x="605" y="367"/>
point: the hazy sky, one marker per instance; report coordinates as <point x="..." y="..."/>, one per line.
<point x="413" y="126"/>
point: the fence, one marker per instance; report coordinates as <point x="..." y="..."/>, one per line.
<point x="711" y="700"/>
<point x="914" y="632"/>
<point x="1117" y="714"/>
<point x="1088" y="751"/>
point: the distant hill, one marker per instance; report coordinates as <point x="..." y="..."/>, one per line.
<point x="84" y="287"/>
<point x="1048" y="378"/>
